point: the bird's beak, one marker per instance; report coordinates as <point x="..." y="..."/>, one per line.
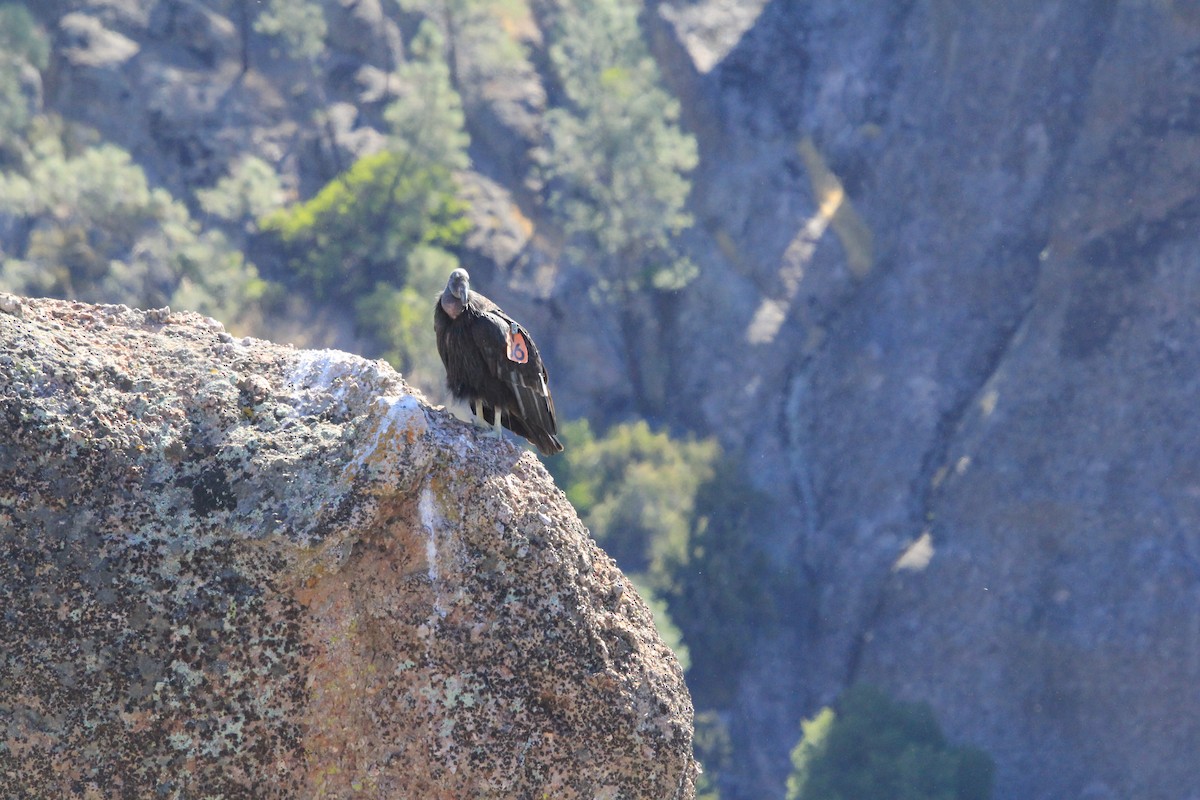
<point x="466" y="293"/>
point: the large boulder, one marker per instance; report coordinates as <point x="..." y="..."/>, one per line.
<point x="235" y="569"/>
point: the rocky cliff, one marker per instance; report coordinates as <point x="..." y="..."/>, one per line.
<point x="234" y="569"/>
<point x="958" y="246"/>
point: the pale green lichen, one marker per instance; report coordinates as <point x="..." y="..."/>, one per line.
<point x="180" y="741"/>
<point x="452" y="688"/>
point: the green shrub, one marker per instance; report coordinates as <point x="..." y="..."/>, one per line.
<point x="636" y="490"/>
<point x="97" y="231"/>
<point x="875" y="748"/>
<point x="721" y="589"/>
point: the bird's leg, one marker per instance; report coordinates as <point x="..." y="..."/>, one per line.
<point x="479" y="418"/>
<point x="477" y="413"/>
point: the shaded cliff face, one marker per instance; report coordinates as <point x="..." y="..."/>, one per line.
<point x="960" y="247"/>
<point x="233" y="568"/>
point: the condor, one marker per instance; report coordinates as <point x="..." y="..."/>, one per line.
<point x="492" y="363"/>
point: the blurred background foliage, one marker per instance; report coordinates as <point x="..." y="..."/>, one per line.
<point x="871" y="747"/>
<point x="79" y="218"/>
<point x="83" y="222"/>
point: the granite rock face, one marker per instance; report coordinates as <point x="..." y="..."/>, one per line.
<point x="234" y="569"/>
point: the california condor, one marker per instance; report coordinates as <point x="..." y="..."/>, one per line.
<point x="492" y="363"/>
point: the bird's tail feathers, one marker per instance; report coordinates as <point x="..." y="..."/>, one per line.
<point x="541" y="431"/>
<point x="546" y="440"/>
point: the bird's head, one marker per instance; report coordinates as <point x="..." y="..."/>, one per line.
<point x="457" y="295"/>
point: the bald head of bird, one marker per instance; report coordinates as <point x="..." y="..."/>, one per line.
<point x="457" y="294"/>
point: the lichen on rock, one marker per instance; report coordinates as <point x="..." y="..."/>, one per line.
<point x="234" y="569"/>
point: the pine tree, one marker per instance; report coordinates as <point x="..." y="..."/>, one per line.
<point x="617" y="160"/>
<point x="616" y="165"/>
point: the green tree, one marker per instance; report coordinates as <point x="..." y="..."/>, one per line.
<point x="427" y="119"/>
<point x="875" y="748"/>
<point x="636" y="491"/>
<point x="399" y="318"/>
<point x="616" y="157"/>
<point x="249" y="192"/>
<point x="90" y="227"/>
<point x="482" y="47"/>
<point x="668" y="631"/>
<point x="360" y="230"/>
<point x="616" y="165"/>
<point x="487" y="50"/>
<point x="679" y="516"/>
<point x="21" y="37"/>
<point x="299" y="23"/>
<point x="24" y="51"/>
<point x="714" y="750"/>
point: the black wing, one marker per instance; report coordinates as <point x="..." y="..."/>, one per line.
<point x="531" y="412"/>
